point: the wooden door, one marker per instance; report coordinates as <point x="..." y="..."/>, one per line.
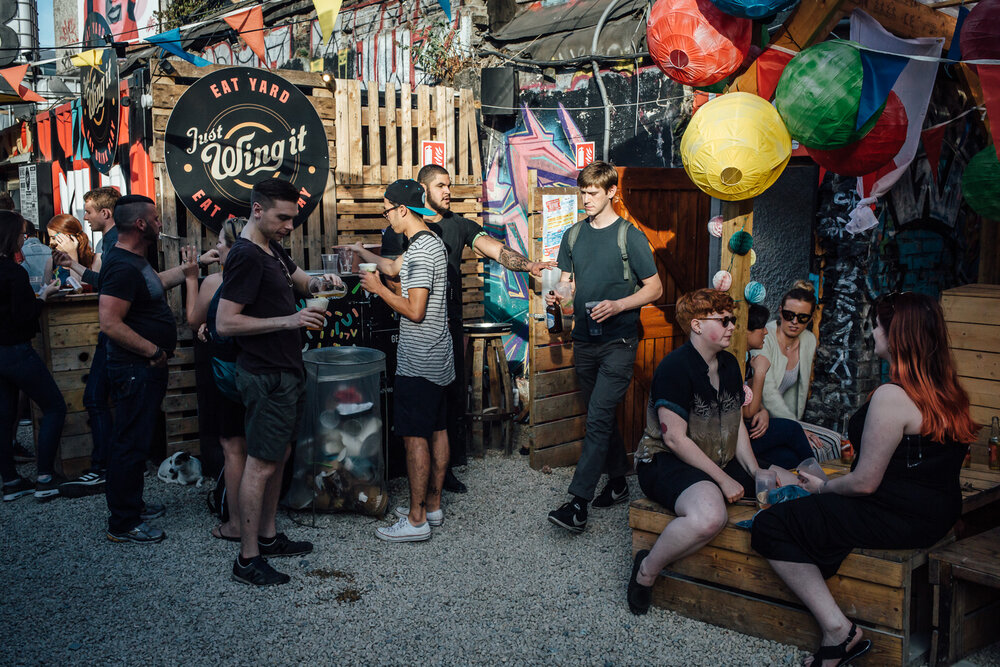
<point x="672" y="213"/>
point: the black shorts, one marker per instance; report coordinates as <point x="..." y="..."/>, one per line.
<point x="419" y="407"/>
<point x="666" y="477"/>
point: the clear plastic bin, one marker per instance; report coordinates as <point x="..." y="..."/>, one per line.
<point x="340" y="456"/>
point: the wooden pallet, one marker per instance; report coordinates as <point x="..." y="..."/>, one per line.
<point x="180" y="406"/>
<point x="972" y="313"/>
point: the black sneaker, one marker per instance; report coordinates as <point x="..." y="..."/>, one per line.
<point x="87" y="484"/>
<point x="141" y="534"/>
<point x="282" y="546"/>
<point x="46" y="491"/>
<point x="22" y="454"/>
<point x="258" y="573"/>
<point x="611" y="494"/>
<point x="639" y="596"/>
<point x="21" y="487"/>
<point x="572" y="516"/>
<point x="453" y="484"/>
<point x="152" y="511"/>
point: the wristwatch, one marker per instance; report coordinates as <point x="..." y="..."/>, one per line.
<point x="157" y="353"/>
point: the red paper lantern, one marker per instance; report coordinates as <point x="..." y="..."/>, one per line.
<point x="979" y="39"/>
<point x="696" y="43"/>
<point x="874" y="150"/>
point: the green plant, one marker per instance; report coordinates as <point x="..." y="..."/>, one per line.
<point x="441" y="56"/>
<point x="181" y="12"/>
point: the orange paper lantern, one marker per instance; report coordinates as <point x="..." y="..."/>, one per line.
<point x="874" y="150"/>
<point x="696" y="43"/>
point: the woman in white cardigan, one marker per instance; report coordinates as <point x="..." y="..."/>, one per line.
<point x="790" y="347"/>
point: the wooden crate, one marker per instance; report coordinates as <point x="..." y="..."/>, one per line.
<point x="972" y="313"/>
<point x="180" y="406"/>
<point x="727" y="584"/>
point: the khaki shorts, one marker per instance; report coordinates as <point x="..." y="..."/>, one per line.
<point x="274" y="404"/>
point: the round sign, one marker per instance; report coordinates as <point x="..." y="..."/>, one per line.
<point x="235" y="127"/>
<point x="99" y="97"/>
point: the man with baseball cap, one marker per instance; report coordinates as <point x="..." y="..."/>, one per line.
<point x="425" y="367"/>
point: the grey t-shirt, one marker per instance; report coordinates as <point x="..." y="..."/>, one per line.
<point x="596" y="263"/>
<point x="425" y="347"/>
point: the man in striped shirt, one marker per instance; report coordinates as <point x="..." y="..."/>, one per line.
<point x="425" y="364"/>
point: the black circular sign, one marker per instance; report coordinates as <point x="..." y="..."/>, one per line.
<point x="99" y="97"/>
<point x="235" y="127"/>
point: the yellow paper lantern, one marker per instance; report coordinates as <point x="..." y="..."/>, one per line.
<point x="735" y="146"/>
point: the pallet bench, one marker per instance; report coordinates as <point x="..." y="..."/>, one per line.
<point x="726" y="583"/>
<point x="966" y="580"/>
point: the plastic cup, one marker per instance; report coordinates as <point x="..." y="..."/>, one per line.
<point x="812" y="466"/>
<point x="593" y="328"/>
<point x="370" y="267"/>
<point x="766" y="481"/>
<point x="550" y="277"/>
<point x="330" y="263"/>
<point x="345" y="257"/>
<point x="319" y="303"/>
<point x="565" y="292"/>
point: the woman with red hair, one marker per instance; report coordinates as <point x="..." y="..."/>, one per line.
<point x="66" y="235"/>
<point x="903" y="490"/>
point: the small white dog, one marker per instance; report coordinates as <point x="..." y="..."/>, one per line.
<point x="181" y="468"/>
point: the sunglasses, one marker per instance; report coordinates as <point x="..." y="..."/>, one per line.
<point x="725" y="321"/>
<point x="789" y="315"/>
<point x="284" y="269"/>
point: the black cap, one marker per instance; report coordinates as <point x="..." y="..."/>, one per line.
<point x="410" y="194"/>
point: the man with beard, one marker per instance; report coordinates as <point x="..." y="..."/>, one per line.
<point x="142" y="334"/>
<point x="457" y="233"/>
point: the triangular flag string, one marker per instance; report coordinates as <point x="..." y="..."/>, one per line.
<point x="326" y="14"/>
<point x="250" y="26"/>
<point x="170" y="42"/>
<point x="14" y="76"/>
<point x="932" y="138"/>
<point x="989" y="79"/>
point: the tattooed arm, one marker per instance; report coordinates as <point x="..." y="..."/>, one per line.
<point x="508" y="257"/>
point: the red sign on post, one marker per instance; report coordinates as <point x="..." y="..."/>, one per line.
<point x="432" y="152"/>
<point x="584" y="154"/>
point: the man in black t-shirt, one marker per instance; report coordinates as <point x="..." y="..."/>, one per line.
<point x="457" y="233"/>
<point x="257" y="306"/>
<point x="141" y="334"/>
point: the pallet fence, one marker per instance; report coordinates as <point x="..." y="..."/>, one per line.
<point x="373" y="138"/>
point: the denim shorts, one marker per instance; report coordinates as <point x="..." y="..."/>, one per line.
<point x="274" y="404"/>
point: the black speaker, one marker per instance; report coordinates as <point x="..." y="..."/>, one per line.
<point x="499" y="91"/>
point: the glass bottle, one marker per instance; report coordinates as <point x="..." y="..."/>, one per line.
<point x="994" y="445"/>
<point x="846" y="448"/>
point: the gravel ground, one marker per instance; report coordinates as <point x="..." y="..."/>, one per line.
<point x="496" y="584"/>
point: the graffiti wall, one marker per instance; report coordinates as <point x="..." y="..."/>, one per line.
<point x="128" y="19"/>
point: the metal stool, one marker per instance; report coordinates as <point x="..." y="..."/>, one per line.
<point x="491" y="401"/>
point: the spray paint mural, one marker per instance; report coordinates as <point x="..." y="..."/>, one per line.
<point x="544" y="140"/>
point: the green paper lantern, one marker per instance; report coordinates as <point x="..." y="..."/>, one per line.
<point x="818" y="96"/>
<point x="754" y="292"/>
<point x="740" y="242"/>
<point x="981" y="183"/>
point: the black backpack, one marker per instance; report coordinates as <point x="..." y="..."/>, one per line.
<point x="218" y="499"/>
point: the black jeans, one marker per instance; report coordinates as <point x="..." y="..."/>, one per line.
<point x="457" y="399"/>
<point x="137" y="389"/>
<point x="21" y="369"/>
<point x="95" y="399"/>
<point x="604" y="371"/>
<point x="783" y="444"/>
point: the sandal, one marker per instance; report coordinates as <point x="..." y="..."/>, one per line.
<point x="219" y="535"/>
<point x="840" y="651"/>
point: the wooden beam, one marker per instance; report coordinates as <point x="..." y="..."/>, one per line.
<point x="737" y="216"/>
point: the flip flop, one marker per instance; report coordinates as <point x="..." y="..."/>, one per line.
<point x="840" y="652"/>
<point x="217" y="534"/>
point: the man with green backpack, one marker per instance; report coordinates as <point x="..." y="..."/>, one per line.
<point x="612" y="266"/>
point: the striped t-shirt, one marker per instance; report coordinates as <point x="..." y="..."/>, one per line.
<point x="425" y="347"/>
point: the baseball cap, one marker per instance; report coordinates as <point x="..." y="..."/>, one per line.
<point x="410" y="194"/>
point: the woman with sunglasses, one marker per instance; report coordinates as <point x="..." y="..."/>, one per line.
<point x="790" y="347"/>
<point x="226" y="415"/>
<point x="694" y="455"/>
<point x="903" y="490"/>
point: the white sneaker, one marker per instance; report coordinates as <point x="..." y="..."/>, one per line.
<point x="435" y="518"/>
<point x="404" y="531"/>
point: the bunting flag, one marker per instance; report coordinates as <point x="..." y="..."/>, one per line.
<point x="955" y="50"/>
<point x="91" y="58"/>
<point x="913" y="86"/>
<point x="880" y="72"/>
<point x="932" y="138"/>
<point x="770" y="64"/>
<point x="13" y="76"/>
<point x="250" y="26"/>
<point x="170" y="42"/>
<point x="989" y="79"/>
<point x="326" y="14"/>
<point x="446" y="6"/>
